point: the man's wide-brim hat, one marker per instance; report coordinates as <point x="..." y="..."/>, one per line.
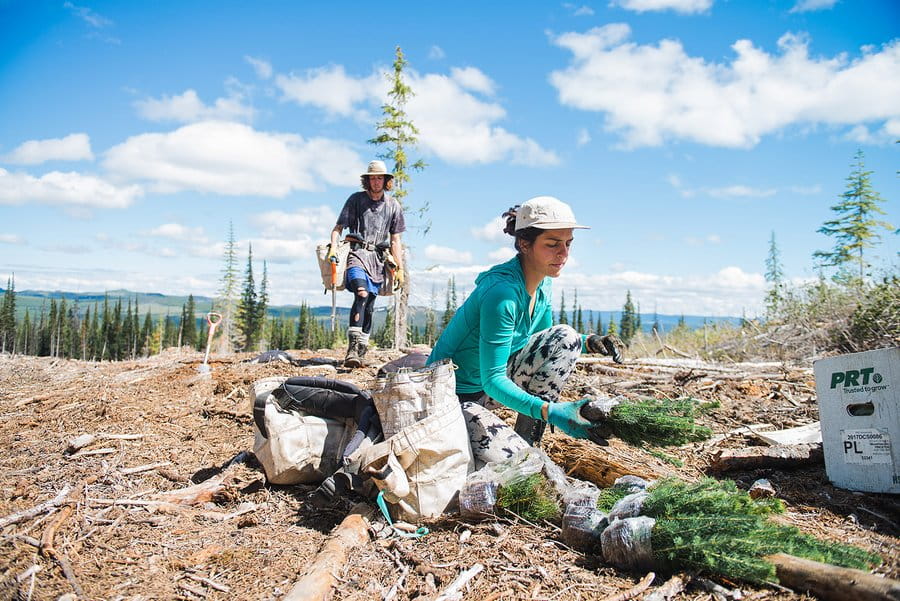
<point x="546" y="213"/>
<point x="377" y="168"/>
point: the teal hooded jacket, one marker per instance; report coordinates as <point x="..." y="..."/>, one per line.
<point x="490" y="326"/>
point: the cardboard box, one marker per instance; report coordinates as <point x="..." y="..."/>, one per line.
<point x="859" y="407"/>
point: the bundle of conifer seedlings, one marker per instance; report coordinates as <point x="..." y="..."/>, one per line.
<point x="661" y="422"/>
<point x="710" y="527"/>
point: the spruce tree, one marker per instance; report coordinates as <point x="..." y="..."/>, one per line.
<point x="169" y="333"/>
<point x="398" y="134"/>
<point x="627" y="322"/>
<point x="775" y="278"/>
<point x="227" y="296"/>
<point x="655" y="328"/>
<point x="450" y="307"/>
<point x="247" y="314"/>
<point x="430" y="334"/>
<point x="146" y="333"/>
<point x="599" y="327"/>
<point x="563" y="318"/>
<point x="856" y="226"/>
<point x="25" y="336"/>
<point x="8" y="317"/>
<point x="189" y="323"/>
<point x="262" y="307"/>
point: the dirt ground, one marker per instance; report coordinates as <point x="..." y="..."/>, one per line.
<point x="160" y="427"/>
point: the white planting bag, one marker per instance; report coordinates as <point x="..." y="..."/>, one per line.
<point x="343" y="251"/>
<point x="425" y="457"/>
<point x="296" y="448"/>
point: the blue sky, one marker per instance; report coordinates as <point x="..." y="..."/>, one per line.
<point x="683" y="131"/>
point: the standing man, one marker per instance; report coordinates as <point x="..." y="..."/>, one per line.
<point x="375" y="221"/>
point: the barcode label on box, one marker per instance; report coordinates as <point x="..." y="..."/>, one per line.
<point x="866" y="446"/>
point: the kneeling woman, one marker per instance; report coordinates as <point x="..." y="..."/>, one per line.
<point x="503" y="339"/>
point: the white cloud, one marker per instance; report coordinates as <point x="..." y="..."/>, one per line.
<point x="444" y="254"/>
<point x="460" y="128"/>
<point x="331" y="89"/>
<point x="492" y="231"/>
<point x="709" y="239"/>
<point x="65" y="189"/>
<point x="317" y="221"/>
<point x="679" y="6"/>
<point x="302" y="250"/>
<point x="803" y="6"/>
<point x="504" y="253"/>
<point x="471" y="78"/>
<point x="74" y="147"/>
<point x="176" y="231"/>
<point x="453" y="123"/>
<point x="436" y="53"/>
<point x="233" y="159"/>
<point x="88" y="16"/>
<point x="583" y="137"/>
<point x="11" y="239"/>
<point x="739" y="191"/>
<point x="187" y="108"/>
<point x="728" y="291"/>
<point x="653" y="93"/>
<point x="263" y="68"/>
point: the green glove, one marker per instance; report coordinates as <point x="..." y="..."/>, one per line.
<point x="567" y="417"/>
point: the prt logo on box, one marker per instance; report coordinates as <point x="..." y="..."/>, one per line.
<point x="852" y="377"/>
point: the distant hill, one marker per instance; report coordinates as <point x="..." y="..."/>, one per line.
<point x="161" y="305"/>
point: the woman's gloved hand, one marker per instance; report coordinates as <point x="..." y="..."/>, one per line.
<point x="608" y="345"/>
<point x="567" y="417"/>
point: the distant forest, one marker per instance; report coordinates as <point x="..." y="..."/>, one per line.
<point x="121" y="324"/>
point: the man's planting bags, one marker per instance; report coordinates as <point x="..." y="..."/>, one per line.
<point x="292" y="445"/>
<point x="343" y="250"/>
<point x="423" y="462"/>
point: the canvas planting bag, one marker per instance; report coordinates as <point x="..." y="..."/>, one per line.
<point x="423" y="462"/>
<point x="343" y="250"/>
<point x="294" y="447"/>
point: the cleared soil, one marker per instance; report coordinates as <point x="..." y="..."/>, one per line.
<point x="252" y="540"/>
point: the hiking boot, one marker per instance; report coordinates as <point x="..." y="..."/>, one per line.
<point x="362" y="348"/>
<point x="353" y="360"/>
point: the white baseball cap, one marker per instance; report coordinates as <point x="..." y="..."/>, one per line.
<point x="546" y="213"/>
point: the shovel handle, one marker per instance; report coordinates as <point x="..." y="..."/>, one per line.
<point x="213" y="319"/>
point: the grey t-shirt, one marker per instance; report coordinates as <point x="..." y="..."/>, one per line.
<point x="374" y="221"/>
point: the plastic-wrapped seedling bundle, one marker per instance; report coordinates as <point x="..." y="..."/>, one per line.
<point x="528" y="484"/>
<point x="582" y="522"/>
<point x="662" y="422"/>
<point x="713" y="528"/>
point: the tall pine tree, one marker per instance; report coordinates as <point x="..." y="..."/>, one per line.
<point x="228" y="290"/>
<point x="247" y="313"/>
<point x="856" y="226"/>
<point x="775" y="278"/>
<point x="398" y="134"/>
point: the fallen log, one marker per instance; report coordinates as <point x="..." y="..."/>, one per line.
<point x="778" y="456"/>
<point x="317" y="582"/>
<point x="832" y="583"/>
<point x="587" y="461"/>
